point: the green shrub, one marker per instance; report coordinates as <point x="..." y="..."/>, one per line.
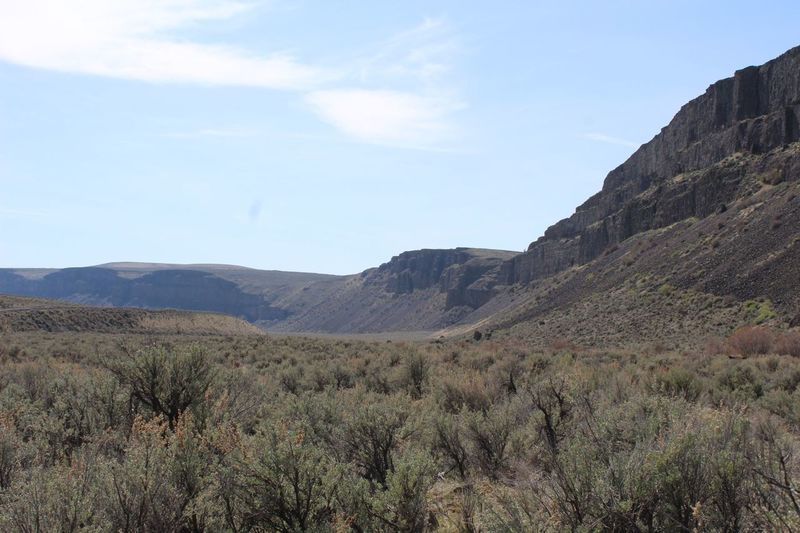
<point x="168" y="381"/>
<point x="449" y="444"/>
<point x="283" y="484"/>
<point x="742" y="380"/>
<point x="403" y="506"/>
<point x="61" y="498"/>
<point x="370" y="437"/>
<point x="760" y="310"/>
<point x="490" y="436"/>
<point x="153" y="486"/>
<point x="677" y="381"/>
<point x="416" y="370"/>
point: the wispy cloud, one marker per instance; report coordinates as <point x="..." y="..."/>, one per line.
<point x="392" y="92"/>
<point x="423" y="54"/>
<point x="603" y="138"/>
<point x="130" y="39"/>
<point x="385" y="117"/>
<point x="417" y="116"/>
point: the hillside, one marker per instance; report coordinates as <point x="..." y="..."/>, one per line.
<point x="694" y="234"/>
<point x="421" y="290"/>
<point x="19" y="314"/>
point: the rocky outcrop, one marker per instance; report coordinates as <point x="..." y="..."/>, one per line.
<point x="754" y="112"/>
<point x="459" y="273"/>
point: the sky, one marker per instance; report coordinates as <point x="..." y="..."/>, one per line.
<point x="329" y="136"/>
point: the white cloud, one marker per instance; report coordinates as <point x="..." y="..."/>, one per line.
<point x="601" y="137"/>
<point x="385" y="117"/>
<point x="394" y="94"/>
<point x="127" y="39"/>
<point x="416" y="116"/>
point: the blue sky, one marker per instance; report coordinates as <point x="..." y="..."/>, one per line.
<point x="329" y="136"/>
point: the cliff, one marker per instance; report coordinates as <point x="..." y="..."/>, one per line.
<point x="456" y="273"/>
<point x="754" y="112"/>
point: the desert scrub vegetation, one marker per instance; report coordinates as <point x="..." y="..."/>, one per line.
<point x="253" y="433"/>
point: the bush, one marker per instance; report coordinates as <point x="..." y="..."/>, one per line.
<point x="169" y="382"/>
<point x="742" y="380"/>
<point x="459" y="392"/>
<point x="152" y="487"/>
<point x="751" y="340"/>
<point x="55" y="499"/>
<point x="774" y="459"/>
<point x="449" y="444"/>
<point x="370" y="437"/>
<point x="416" y="370"/>
<point x="677" y="381"/>
<point x="788" y="344"/>
<point x="287" y="486"/>
<point x="490" y="434"/>
<point x="551" y="399"/>
<point x="403" y="505"/>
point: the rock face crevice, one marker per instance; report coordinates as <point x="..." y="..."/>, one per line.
<point x="754" y="112"/>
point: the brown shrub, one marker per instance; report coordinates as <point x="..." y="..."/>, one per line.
<point x="751" y="340"/>
<point x="788" y="344"/>
<point x="562" y="344"/>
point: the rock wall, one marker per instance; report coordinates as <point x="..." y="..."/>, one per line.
<point x="457" y="272"/>
<point x="755" y="111"/>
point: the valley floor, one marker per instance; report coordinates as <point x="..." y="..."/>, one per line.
<point x="144" y="432"/>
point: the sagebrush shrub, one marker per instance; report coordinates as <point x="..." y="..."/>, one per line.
<point x="167" y="381"/>
<point x="285" y="484"/>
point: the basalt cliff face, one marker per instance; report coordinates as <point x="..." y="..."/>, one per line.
<point x="456" y="273"/>
<point x="754" y="112"/>
<point x="420" y="290"/>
